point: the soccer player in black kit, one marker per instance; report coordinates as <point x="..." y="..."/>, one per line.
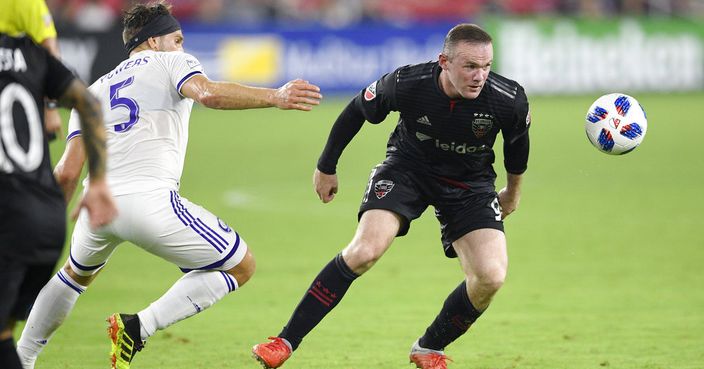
<point x="439" y="154"/>
<point x="32" y="206"/>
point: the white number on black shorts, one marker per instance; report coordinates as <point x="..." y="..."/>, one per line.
<point x="370" y="184"/>
<point x="29" y="160"/>
<point x="497" y="208"/>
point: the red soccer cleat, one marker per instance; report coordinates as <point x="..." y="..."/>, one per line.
<point x="272" y="354"/>
<point x="427" y="358"/>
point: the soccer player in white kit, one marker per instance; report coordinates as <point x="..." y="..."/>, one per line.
<point x="147" y="101"/>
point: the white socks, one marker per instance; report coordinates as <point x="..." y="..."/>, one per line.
<point x="53" y="304"/>
<point x="193" y="293"/>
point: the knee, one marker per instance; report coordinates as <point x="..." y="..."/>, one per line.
<point x="491" y="279"/>
<point x="80" y="279"/>
<point x="362" y="254"/>
<point x="244" y="271"/>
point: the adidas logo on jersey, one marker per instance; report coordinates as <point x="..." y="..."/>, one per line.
<point x="424" y="120"/>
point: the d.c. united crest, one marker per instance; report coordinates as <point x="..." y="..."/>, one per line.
<point x="481" y="126"/>
<point x="370" y="92"/>
<point x="381" y="188"/>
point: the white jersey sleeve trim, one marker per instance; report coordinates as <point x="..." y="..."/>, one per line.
<point x="72" y="135"/>
<point x="185" y="79"/>
<point x="74" y="124"/>
<point x="180" y="67"/>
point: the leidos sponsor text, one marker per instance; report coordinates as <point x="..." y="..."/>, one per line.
<point x="462" y="148"/>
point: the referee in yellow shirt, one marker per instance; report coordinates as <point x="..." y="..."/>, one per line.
<point x="32" y="18"/>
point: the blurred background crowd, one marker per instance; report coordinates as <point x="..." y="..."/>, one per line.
<point x="97" y="15"/>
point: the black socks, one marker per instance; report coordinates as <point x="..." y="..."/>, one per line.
<point x="323" y="295"/>
<point x="330" y="285"/>
<point x="454" y="319"/>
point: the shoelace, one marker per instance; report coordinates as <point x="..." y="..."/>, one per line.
<point x="278" y="344"/>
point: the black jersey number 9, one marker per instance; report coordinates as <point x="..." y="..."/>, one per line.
<point x="497" y="208"/>
<point x="11" y="153"/>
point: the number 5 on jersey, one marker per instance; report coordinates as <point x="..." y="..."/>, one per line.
<point x="124" y="102"/>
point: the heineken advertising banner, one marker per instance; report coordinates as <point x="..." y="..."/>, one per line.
<point x="576" y="56"/>
<point x="547" y="56"/>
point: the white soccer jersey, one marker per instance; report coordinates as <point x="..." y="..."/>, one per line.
<point x="146" y="118"/>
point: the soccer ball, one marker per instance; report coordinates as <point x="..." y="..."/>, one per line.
<point x="616" y="124"/>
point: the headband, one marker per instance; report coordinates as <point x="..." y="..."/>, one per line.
<point x="159" y="26"/>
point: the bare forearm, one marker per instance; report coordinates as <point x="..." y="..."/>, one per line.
<point x="513" y="183"/>
<point x="92" y="129"/>
<point x="510" y="196"/>
<point x="68" y="170"/>
<point x="234" y="96"/>
<point x="297" y="94"/>
<point x="67" y="182"/>
<point x="93" y="133"/>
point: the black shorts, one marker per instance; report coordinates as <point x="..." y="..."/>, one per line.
<point x="459" y="210"/>
<point x="32" y="221"/>
<point x="20" y="286"/>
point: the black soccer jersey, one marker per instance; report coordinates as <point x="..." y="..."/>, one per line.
<point x="32" y="208"/>
<point x="448" y="138"/>
<point x="27" y="74"/>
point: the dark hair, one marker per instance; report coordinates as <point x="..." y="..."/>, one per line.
<point x="465" y="32"/>
<point x="139" y="15"/>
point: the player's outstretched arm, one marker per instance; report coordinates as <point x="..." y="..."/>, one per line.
<point x="97" y="199"/>
<point x="510" y="195"/>
<point x="297" y="94"/>
<point x="346" y="126"/>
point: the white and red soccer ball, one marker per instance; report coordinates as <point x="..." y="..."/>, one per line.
<point x="616" y="124"/>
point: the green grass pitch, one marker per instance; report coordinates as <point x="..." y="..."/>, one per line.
<point x="606" y="253"/>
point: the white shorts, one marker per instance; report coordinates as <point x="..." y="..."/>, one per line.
<point x="164" y="224"/>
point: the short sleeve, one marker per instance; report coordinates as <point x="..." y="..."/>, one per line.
<point x="182" y="67"/>
<point x="58" y="77"/>
<point x="74" y="122"/>
<point x="74" y="125"/>
<point x="378" y="99"/>
<point x="36" y="21"/>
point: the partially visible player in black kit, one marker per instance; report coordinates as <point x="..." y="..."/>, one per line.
<point x="32" y="206"/>
<point x="440" y="154"/>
